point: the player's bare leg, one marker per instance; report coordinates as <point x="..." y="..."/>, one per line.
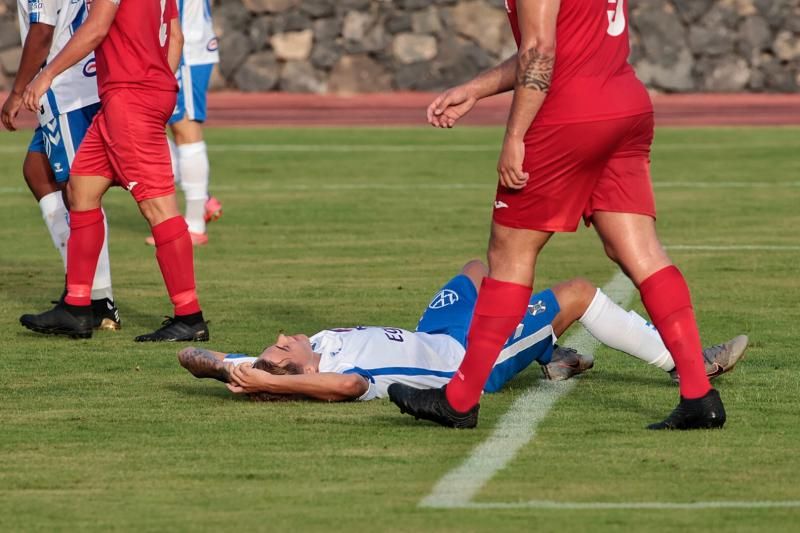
<point x="632" y="242"/>
<point x="175" y="259"/>
<point x="193" y="169"/>
<point x="502" y="301"/>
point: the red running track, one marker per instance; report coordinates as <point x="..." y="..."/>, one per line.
<point x="408" y="109"/>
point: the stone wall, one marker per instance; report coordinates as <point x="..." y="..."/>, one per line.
<point x="346" y="46"/>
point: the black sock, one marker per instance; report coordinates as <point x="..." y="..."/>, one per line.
<point x="191" y="320"/>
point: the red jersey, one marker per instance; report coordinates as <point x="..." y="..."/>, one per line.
<point x="134" y="53"/>
<point x="592" y="79"/>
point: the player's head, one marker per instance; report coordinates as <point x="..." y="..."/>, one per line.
<point x="294" y="351"/>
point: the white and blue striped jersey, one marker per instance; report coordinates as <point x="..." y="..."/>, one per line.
<point x="388" y="355"/>
<point x="76" y="87"/>
<point x="199" y="41"/>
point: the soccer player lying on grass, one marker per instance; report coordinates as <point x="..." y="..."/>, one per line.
<point x="360" y="363"/>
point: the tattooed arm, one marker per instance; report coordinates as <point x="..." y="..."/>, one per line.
<point x="535" y="61"/>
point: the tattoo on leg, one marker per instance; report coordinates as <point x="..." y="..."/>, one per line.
<point x="535" y="70"/>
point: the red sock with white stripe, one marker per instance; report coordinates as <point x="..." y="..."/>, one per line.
<point x="666" y="297"/>
<point x="498" y="311"/>
<point x="175" y="258"/>
<point x="87" y="232"/>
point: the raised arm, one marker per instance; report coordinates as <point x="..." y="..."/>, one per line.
<point x="88" y="36"/>
<point x="34" y="54"/>
<point x="535" y="60"/>
<point x="326" y="386"/>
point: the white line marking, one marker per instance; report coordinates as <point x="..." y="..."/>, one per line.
<point x="734" y="247"/>
<point x="518" y="426"/>
<point x="583" y="506"/>
<point x="443" y="186"/>
<point x="490" y="146"/>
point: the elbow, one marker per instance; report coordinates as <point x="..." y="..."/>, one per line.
<point x="354" y="387"/>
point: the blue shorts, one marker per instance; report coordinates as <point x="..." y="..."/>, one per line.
<point x="450" y="313"/>
<point x="193" y="82"/>
<point x="61" y="137"/>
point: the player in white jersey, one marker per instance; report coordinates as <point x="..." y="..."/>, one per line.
<point x="361" y="363"/>
<point x="189" y="154"/>
<point x="65" y="113"/>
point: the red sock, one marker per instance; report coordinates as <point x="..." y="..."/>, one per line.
<point x="87" y="232"/>
<point x="667" y="300"/>
<point x="175" y="258"/>
<point x="499" y="310"/>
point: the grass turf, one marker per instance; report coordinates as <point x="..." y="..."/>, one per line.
<point x="108" y="434"/>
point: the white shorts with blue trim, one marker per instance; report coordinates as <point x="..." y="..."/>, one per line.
<point x="193" y="82"/>
<point x="450" y="313"/>
<point x="61" y="137"/>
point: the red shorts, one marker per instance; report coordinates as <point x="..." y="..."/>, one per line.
<point x="127" y="143"/>
<point x="577" y="169"/>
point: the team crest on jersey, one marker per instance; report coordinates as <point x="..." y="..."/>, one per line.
<point x="538" y="307"/>
<point x="443" y="298"/>
<point x="90" y="69"/>
<point x="213" y="45"/>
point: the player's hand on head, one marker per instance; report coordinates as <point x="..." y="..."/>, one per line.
<point x="509" y="167"/>
<point x="245" y="379"/>
<point x="10" y="111"/>
<point x="450" y="106"/>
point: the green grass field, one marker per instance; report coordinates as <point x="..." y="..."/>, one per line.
<point x="335" y="227"/>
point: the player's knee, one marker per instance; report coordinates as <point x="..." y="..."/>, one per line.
<point x="576" y="293"/>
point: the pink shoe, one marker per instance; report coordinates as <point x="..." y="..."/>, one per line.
<point x="198" y="239"/>
<point x="213" y="209"/>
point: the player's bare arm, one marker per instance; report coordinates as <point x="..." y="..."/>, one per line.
<point x="34" y="54"/>
<point x="454" y="103"/>
<point x="85" y="40"/>
<point x="534" y="72"/>
<point x="326" y="386"/>
<point x="175" y="44"/>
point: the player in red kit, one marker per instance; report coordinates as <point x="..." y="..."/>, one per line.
<point x="137" y="44"/>
<point x="577" y="144"/>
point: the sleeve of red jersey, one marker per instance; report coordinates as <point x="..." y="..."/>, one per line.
<point x="172" y="10"/>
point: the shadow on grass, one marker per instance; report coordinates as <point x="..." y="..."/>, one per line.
<point x="201" y="390"/>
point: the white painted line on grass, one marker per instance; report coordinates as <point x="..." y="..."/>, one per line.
<point x="594" y="506"/>
<point x="518" y="426"/>
<point x="733" y="247"/>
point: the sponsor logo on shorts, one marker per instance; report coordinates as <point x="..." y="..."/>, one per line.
<point x="499" y="205"/>
<point x="616" y="18"/>
<point x="443" y="298"/>
<point x="538" y="307"/>
<point x="131" y="185"/>
<point x="90" y="68"/>
<point x="213" y="45"/>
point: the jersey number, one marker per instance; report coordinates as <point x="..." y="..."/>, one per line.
<point x="616" y="18"/>
<point x="162" y="30"/>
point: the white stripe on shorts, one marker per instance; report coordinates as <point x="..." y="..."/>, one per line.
<point x="188" y="92"/>
<point x="66" y="137"/>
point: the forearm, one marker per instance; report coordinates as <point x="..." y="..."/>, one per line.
<point x="34" y="54"/>
<point x="496" y="80"/>
<point x="326" y="386"/>
<point x="534" y="72"/>
<point x="83" y="42"/>
<point x="175" y="45"/>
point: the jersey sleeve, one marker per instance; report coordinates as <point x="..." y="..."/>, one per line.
<point x="42" y="12"/>
<point x="172" y="10"/>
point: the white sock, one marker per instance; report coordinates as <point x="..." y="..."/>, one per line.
<point x="56" y="218"/>
<point x="101" y="287"/>
<point x="173" y="156"/>
<point x="193" y="168"/>
<point x="625" y="331"/>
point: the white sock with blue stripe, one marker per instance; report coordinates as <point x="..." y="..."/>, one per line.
<point x="625" y="331"/>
